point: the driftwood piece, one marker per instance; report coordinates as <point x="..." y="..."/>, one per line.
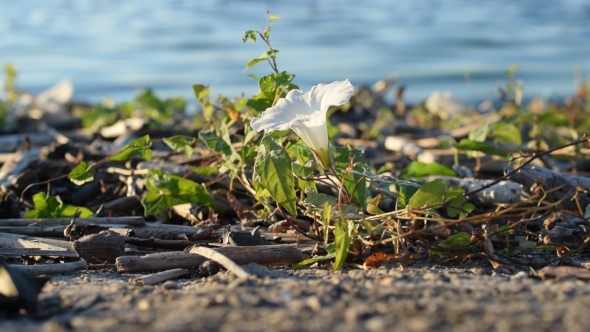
<point x="548" y="179"/>
<point x="282" y="254"/>
<point x="131" y="221"/>
<point x="51" y="268"/>
<point x="504" y="192"/>
<point x="21" y="161"/>
<point x="221" y="259"/>
<point x="17" y="252"/>
<point x="158" y="243"/>
<point x="174" y="230"/>
<point x="53" y="231"/>
<point x="17" y="241"/>
<point x="158" y="277"/>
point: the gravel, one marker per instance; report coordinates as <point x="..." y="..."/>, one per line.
<point x="417" y="298"/>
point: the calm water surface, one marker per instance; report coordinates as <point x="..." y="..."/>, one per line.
<point x="111" y="48"/>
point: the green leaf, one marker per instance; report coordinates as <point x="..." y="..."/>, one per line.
<point x="313" y="260"/>
<point x="165" y="190"/>
<point x="205" y="170"/>
<point x="270" y="83"/>
<point x="215" y="142"/>
<point x="457" y="240"/>
<point x="318" y="200"/>
<point x="342" y="238"/>
<point x="480" y="134"/>
<point x="259" y="103"/>
<point x="505" y="132"/>
<point x="274" y="171"/>
<point x="470" y="145"/>
<point x="273" y="17"/>
<point x="419" y="169"/>
<point x="138" y="147"/>
<point x="265" y="56"/>
<point x="249" y="35"/>
<point x="202" y="94"/>
<point x="52" y="207"/>
<point x="406" y="192"/>
<point x="354" y="183"/>
<point x="81" y="174"/>
<point x="181" y="145"/>
<point x="304" y="172"/>
<point x="458" y="206"/>
<point x="326" y="218"/>
<point x="155" y="108"/>
<point x="434" y="194"/>
<point x="300" y="152"/>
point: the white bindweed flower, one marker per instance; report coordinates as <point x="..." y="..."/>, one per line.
<point x="305" y="114"/>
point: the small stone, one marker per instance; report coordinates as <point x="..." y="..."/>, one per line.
<point x="170" y="284"/>
<point x="209" y="268"/>
<point x="314" y="303"/>
<point x="376" y="324"/>
<point x="100" y="248"/>
<point x="143" y="305"/>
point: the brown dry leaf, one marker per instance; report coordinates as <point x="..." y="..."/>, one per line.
<point x="379" y="258"/>
<point x="204" y="232"/>
<point x="284" y="225"/>
<point x="564" y="272"/>
<point x="213" y="217"/>
<point x="279" y="227"/>
<point x="488" y="250"/>
<point x="247" y="217"/>
<point x="459" y="259"/>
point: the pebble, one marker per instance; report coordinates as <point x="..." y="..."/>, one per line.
<point x="170" y="284"/>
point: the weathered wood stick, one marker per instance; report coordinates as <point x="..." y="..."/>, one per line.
<point x="549" y="179"/>
<point x="213" y="255"/>
<point x="52" y="231"/>
<point x="155" y="278"/>
<point x="158" y="243"/>
<point x="281" y="254"/>
<point x="22" y="241"/>
<point x="131" y="221"/>
<point x="51" y="268"/>
<point x="174" y="230"/>
<point x="36" y="252"/>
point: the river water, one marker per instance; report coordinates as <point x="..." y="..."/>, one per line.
<point x="111" y="48"/>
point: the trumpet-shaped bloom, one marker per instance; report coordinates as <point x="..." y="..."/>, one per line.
<point x="305" y="114"/>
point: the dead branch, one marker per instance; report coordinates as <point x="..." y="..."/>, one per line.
<point x="282" y="254"/>
<point x="230" y="265"/>
<point x="51" y="268"/>
<point x="158" y="277"/>
<point x="548" y="179"/>
<point x="131" y="221"/>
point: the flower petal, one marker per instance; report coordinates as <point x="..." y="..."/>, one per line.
<point x="295" y="105"/>
<point x="315" y="135"/>
<point x="334" y="94"/>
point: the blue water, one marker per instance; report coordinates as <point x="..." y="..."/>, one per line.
<point x="111" y="48"/>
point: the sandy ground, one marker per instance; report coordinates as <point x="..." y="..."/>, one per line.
<point x="418" y="298"/>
